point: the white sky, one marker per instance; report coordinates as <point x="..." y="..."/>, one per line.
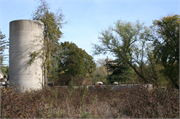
<point x="86" y="18"/>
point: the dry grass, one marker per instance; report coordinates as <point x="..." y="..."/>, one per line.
<point x="65" y="103"/>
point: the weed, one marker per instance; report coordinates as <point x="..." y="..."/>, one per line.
<point x="55" y="93"/>
<point x="49" y="113"/>
<point x="74" y="103"/>
<point x="84" y="90"/>
<point x="85" y="115"/>
<point x="94" y="99"/>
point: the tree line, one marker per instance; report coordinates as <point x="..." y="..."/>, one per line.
<point x="143" y="54"/>
<point x="151" y="52"/>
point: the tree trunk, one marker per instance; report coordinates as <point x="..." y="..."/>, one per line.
<point x="45" y="69"/>
<point x="144" y="79"/>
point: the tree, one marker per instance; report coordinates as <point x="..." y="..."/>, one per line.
<point x="121" y="72"/>
<point x="75" y="61"/>
<point x="89" y="64"/>
<point x="166" y="46"/>
<point x="127" y="41"/>
<point x="3" y="46"/>
<point x="52" y="34"/>
<point x="5" y="70"/>
<point x="100" y="73"/>
<point x="101" y="62"/>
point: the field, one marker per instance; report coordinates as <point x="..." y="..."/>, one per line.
<point x="53" y="102"/>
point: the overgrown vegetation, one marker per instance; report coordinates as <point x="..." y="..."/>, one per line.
<point x="52" y="34"/>
<point x="59" y="58"/>
<point x="59" y="102"/>
<point x="74" y="61"/>
<point x="151" y="52"/>
<point x="166" y="47"/>
<point x="143" y="55"/>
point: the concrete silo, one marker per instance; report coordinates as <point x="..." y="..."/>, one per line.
<point x="26" y="36"/>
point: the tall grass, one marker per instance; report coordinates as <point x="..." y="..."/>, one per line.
<point x="68" y="102"/>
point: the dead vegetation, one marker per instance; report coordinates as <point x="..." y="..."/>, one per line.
<point x="55" y="102"/>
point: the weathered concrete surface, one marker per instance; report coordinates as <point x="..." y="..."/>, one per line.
<point x="25" y="37"/>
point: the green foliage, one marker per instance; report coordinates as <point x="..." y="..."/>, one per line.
<point x="33" y="55"/>
<point x="86" y="115"/>
<point x="67" y="79"/>
<point x="52" y="34"/>
<point x="5" y="70"/>
<point x="100" y="74"/>
<point x="71" y="63"/>
<point x="89" y="64"/>
<point x="166" y="47"/>
<point x="3" y="46"/>
<point x="2" y="36"/>
<point x="52" y="25"/>
<point x="75" y="61"/>
<point x="127" y="41"/>
<point x="121" y="72"/>
<point x="55" y="71"/>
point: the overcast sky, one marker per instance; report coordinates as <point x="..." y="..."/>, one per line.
<point x="86" y="18"/>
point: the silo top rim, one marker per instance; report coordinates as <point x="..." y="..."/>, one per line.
<point x="27" y="20"/>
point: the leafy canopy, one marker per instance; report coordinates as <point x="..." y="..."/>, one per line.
<point x="3" y="46"/>
<point x="121" y="72"/>
<point x="52" y="34"/>
<point x="75" y="61"/>
<point x="127" y="41"/>
<point x="166" y="46"/>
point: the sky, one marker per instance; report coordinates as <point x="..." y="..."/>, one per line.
<point x="87" y="18"/>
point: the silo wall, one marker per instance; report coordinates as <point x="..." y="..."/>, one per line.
<point x="26" y="36"/>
